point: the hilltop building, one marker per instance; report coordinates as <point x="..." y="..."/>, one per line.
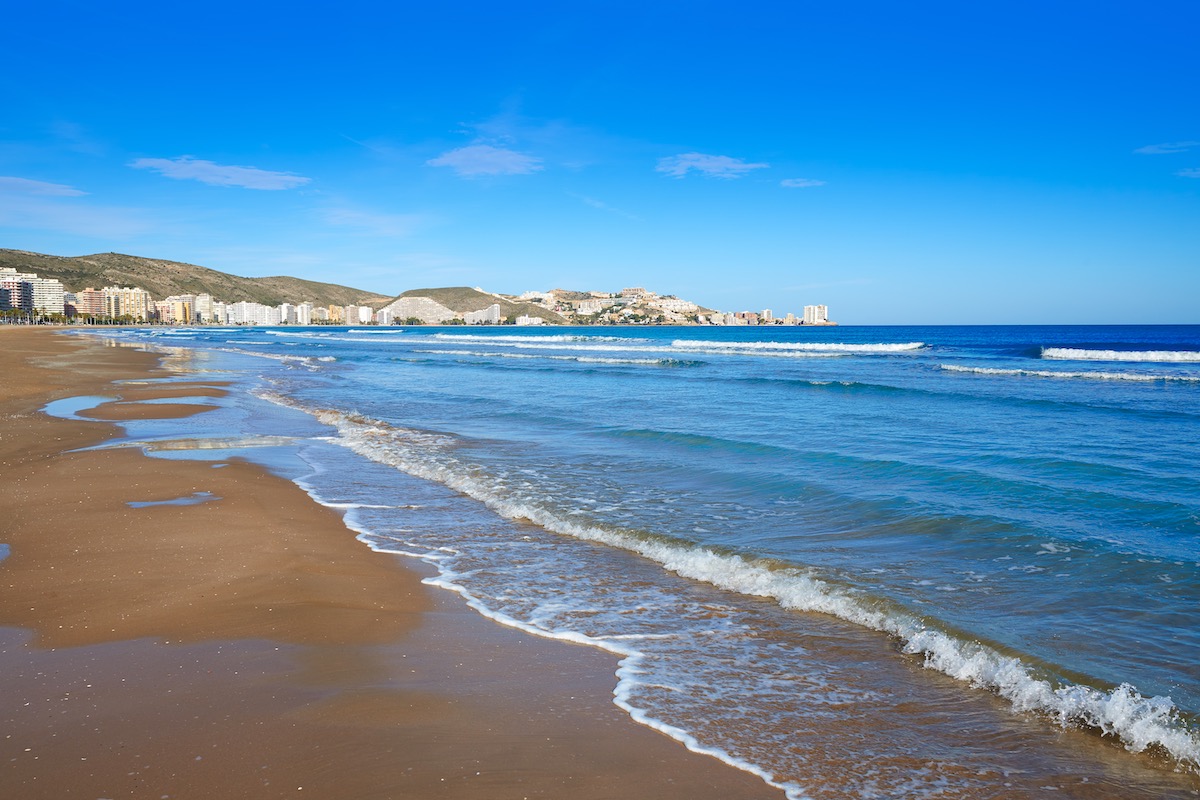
<point x="592" y="306"/>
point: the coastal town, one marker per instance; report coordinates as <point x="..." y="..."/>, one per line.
<point x="26" y="297"/>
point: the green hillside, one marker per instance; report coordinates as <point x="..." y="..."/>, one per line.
<point x="163" y="278"/>
<point x="464" y="299"/>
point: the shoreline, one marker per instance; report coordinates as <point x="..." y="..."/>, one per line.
<point x="247" y="645"/>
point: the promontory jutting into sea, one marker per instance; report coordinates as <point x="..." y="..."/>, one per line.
<point x="901" y="561"/>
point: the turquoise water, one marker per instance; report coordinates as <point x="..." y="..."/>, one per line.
<point x="929" y="552"/>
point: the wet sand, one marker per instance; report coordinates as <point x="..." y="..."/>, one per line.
<point x="227" y="637"/>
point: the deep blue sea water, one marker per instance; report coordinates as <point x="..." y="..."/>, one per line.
<point x="858" y="561"/>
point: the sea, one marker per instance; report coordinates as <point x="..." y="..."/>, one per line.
<point x="858" y="562"/>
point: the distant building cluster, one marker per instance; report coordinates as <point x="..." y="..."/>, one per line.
<point x="813" y="315"/>
<point x="635" y="305"/>
<point x="26" y="294"/>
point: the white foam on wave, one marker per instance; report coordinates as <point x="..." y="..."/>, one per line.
<point x="300" y="334"/>
<point x="1077" y="354"/>
<point x="735" y="349"/>
<point x="333" y="337"/>
<point x="519" y="339"/>
<point x="808" y="347"/>
<point x="305" y="361"/>
<point x="1140" y="377"/>
<point x="546" y="357"/>
<point x="1139" y="722"/>
<point x="628" y="669"/>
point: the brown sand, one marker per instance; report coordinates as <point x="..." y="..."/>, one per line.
<point x="117" y="411"/>
<point x="248" y="646"/>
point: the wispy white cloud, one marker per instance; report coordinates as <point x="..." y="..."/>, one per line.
<point x="800" y="183"/>
<point x="189" y="168"/>
<point x="600" y="204"/>
<point x="557" y="141"/>
<point x="373" y="222"/>
<point x="1189" y="173"/>
<point x="711" y="166"/>
<point x="9" y="185"/>
<point x="30" y="213"/>
<point x="475" y="160"/>
<point x="73" y="136"/>
<point x="1167" y="148"/>
<point x="30" y="205"/>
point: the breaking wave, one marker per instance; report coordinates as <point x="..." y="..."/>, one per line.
<point x="306" y="361"/>
<point x="519" y="339"/>
<point x="1049" y="373"/>
<point x="655" y="362"/>
<point x="808" y="347"/>
<point x="1077" y="354"/>
<point x="1139" y="722"/>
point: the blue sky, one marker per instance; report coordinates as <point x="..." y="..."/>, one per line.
<point x="902" y="163"/>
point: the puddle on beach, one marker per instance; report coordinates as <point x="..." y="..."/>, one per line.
<point x="193" y="499"/>
<point x="69" y="407"/>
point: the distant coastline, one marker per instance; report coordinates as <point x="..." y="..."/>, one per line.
<point x="35" y="287"/>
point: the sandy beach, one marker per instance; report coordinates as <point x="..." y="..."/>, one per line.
<point x="245" y="645"/>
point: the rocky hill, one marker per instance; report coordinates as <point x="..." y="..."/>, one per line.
<point x="163" y="278"/>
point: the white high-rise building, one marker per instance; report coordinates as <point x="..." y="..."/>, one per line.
<point x="304" y="313"/>
<point x="204" y="308"/>
<point x="525" y="319"/>
<point x="816" y="315"/>
<point x="244" y="313"/>
<point x="48" y="296"/>
<point x="40" y="294"/>
<point x="484" y="316"/>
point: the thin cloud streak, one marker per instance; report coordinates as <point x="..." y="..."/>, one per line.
<point x="23" y="213"/>
<point x="1166" y="148"/>
<point x="477" y="160"/>
<point x="189" y="168"/>
<point x="600" y="204"/>
<point x="1189" y="173"/>
<point x="13" y="185"/>
<point x="710" y="166"/>
<point x="800" y="183"/>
